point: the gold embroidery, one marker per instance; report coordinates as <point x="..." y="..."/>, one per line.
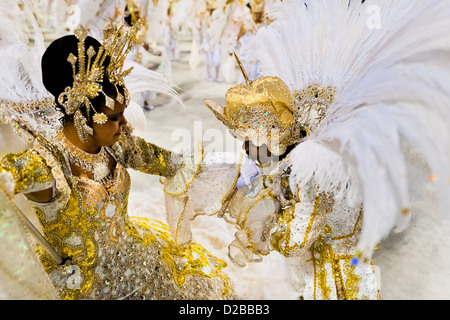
<point x="311" y="221"/>
<point x="112" y="256"/>
<point x="138" y="154"/>
<point x="29" y="170"/>
<point x="181" y="216"/>
<point x="353" y="281"/>
<point x="198" y="259"/>
<point x="282" y="238"/>
<point x="355" y="228"/>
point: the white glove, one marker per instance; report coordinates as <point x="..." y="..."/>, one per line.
<point x="250" y="171"/>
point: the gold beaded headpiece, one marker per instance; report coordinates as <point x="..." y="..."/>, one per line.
<point x="117" y="43"/>
<point x="265" y="111"/>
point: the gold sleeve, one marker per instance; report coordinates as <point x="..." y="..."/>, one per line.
<point x="136" y="153"/>
<point x="30" y="171"/>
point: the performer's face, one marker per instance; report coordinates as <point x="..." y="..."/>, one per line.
<point x="260" y="154"/>
<point x="109" y="133"/>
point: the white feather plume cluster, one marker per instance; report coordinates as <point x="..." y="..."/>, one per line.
<point x="20" y="64"/>
<point x="12" y="15"/>
<point x="21" y="81"/>
<point x="386" y="135"/>
<point x="142" y="79"/>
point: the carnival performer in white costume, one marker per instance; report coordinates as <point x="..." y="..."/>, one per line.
<point x="351" y="109"/>
<point x="210" y="47"/>
<point x="259" y="9"/>
<point x="164" y="23"/>
<point x="170" y="34"/>
<point x="194" y="22"/>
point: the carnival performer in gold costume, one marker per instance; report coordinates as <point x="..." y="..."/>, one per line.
<point x="336" y="163"/>
<point x="75" y="177"/>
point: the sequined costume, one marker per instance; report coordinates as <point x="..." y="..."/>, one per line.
<point x="338" y="106"/>
<point x="111" y="255"/>
<point x="318" y="233"/>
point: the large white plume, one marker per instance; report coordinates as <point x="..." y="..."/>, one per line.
<point x="386" y="134"/>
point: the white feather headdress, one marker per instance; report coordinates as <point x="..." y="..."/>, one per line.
<point x="386" y="133"/>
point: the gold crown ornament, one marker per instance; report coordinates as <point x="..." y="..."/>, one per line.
<point x="117" y="42"/>
<point x="265" y="111"/>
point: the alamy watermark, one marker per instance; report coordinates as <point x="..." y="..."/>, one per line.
<point x="374" y="20"/>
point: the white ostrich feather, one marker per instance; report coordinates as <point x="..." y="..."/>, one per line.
<point x="387" y="130"/>
<point x="11" y="15"/>
<point x="21" y="84"/>
<point x="94" y="19"/>
<point x="142" y="79"/>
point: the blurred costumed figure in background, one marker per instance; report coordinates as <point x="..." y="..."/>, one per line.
<point x="222" y="25"/>
<point x="239" y="23"/>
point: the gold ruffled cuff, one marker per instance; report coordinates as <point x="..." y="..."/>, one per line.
<point x="29" y="170"/>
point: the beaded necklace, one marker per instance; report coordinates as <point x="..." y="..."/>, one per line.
<point x="96" y="164"/>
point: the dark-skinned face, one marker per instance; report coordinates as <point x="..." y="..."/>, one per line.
<point x="109" y="133"/>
